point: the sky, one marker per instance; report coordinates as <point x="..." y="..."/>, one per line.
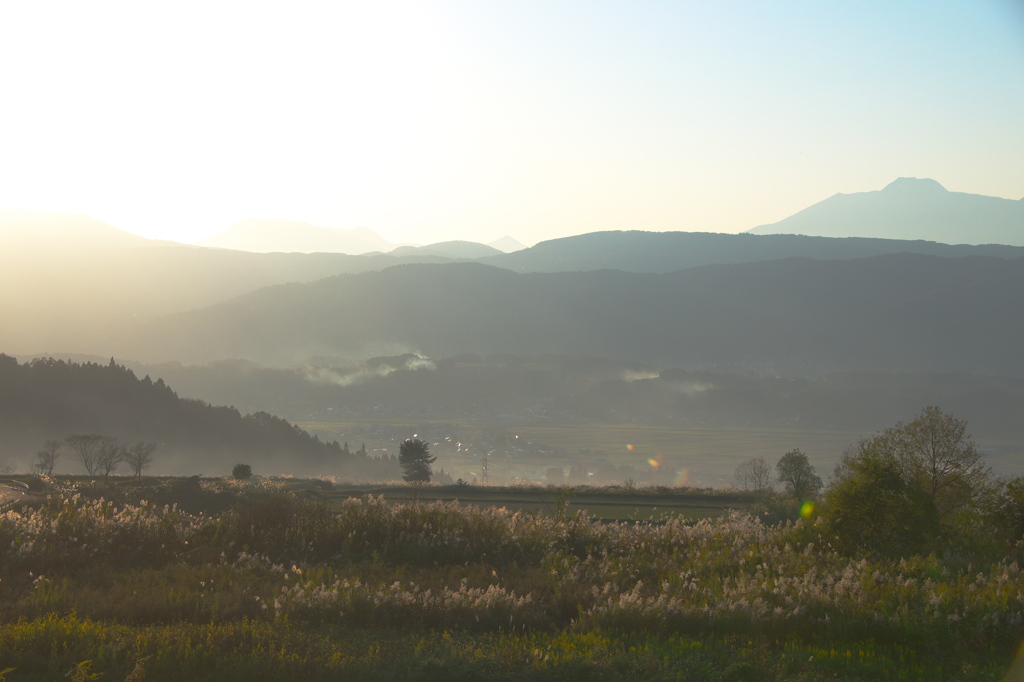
<point x="463" y="119"/>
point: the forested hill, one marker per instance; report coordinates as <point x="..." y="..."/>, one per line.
<point x="796" y="317"/>
<point x="52" y="399"/>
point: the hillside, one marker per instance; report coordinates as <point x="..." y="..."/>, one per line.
<point x="52" y="399"/>
<point x="512" y="389"/>
<point x="910" y="208"/>
<point x="662" y="252"/>
<point x="73" y="281"/>
<point x="794" y="317"/>
<point x="453" y="249"/>
<point x="76" y="283"/>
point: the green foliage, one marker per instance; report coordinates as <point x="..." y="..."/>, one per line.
<point x="415" y="459"/>
<point x="82" y="672"/>
<point x="1005" y="512"/>
<point x="904" y="488"/>
<point x="241" y="472"/>
<point x="561" y="496"/>
<point x="935" y="453"/>
<point x="874" y="508"/>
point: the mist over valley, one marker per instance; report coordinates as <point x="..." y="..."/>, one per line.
<point x="667" y="330"/>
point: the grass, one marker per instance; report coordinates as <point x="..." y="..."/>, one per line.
<point x="604" y="503"/>
<point x="261" y="651"/>
<point x="290" y="585"/>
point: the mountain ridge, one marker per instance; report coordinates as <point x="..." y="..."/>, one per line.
<point x="801" y="316"/>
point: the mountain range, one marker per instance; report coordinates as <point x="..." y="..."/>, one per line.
<point x="795" y="317"/>
<point x="294" y="236"/>
<point x="671" y="327"/>
<point x="73" y="283"/>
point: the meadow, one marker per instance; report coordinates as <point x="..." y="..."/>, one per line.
<point x="217" y="579"/>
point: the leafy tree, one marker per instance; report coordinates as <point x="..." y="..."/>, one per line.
<point x="907" y="484"/>
<point x="242" y="472"/>
<point x="1006" y="514"/>
<point x="795" y="473"/>
<point x="936" y="452"/>
<point x="139" y="457"/>
<point x="86" y="449"/>
<point x="46" y="458"/>
<point x="415" y="460"/>
<point x="873" y="507"/>
<point x="754" y="475"/>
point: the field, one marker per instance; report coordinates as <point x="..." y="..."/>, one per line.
<point x="696" y="456"/>
<point x="605" y="504"/>
<point x="216" y="579"/>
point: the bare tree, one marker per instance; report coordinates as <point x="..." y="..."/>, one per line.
<point x="139" y="457"/>
<point x="754" y="475"/>
<point x="47" y="457"/>
<point x="85" y="448"/>
<point x="110" y="455"/>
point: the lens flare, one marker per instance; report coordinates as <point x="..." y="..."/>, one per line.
<point x="629" y="446"/>
<point x="807" y="509"/>
<point x="655" y="463"/>
<point x="683" y="476"/>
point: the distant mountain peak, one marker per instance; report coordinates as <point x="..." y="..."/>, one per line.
<point x="916" y="186"/>
<point x="507" y="244"/>
<point x="910" y="209"/>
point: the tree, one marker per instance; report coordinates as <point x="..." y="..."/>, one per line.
<point x="85" y="448"/>
<point x="754" y="475"/>
<point x="873" y="507"/>
<point x="139" y="457"/>
<point x="904" y="486"/>
<point x="797" y="476"/>
<point x="241" y="472"/>
<point x="1006" y="513"/>
<point x="109" y="456"/>
<point x="936" y="449"/>
<point x="47" y="457"/>
<point x="415" y="460"/>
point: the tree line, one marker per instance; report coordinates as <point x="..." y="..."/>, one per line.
<point x="100" y="455"/>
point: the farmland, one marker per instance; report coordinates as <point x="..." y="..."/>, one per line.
<point x="697" y="456"/>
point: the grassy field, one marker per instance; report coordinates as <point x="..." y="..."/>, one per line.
<point x="218" y="579"/>
<point x="606" y="504"/>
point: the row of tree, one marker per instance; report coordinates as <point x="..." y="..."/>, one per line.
<point x="100" y="455"/>
<point x="793" y="472"/>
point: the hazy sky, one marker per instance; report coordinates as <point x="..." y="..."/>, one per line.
<point x="426" y="121"/>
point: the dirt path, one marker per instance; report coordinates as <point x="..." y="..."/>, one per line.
<point x="9" y="494"/>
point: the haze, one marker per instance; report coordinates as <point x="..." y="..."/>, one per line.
<point x="459" y="120"/>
